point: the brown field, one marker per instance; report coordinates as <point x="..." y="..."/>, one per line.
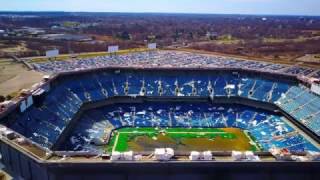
<point x="14" y="77"/>
<point x="230" y="139"/>
<point x="309" y="58"/>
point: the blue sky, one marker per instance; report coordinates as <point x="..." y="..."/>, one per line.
<point x="288" y="7"/>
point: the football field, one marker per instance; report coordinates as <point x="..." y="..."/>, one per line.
<point x="181" y="139"/>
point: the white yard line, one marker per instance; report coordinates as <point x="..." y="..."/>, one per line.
<point x="251" y="140"/>
<point x="176" y="132"/>
<point x="115" y="143"/>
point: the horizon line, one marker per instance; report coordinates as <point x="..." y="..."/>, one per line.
<point x="147" y="12"/>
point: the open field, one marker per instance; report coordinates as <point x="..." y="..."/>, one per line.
<point x="269" y="49"/>
<point x="12" y="47"/>
<point x="180" y="139"/>
<point x="14" y="77"/>
<point x="309" y="58"/>
<point x="294" y="40"/>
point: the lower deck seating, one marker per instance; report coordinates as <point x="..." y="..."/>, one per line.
<point x="268" y="129"/>
<point x="303" y="105"/>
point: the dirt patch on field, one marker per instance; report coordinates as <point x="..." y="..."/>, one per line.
<point x="227" y="140"/>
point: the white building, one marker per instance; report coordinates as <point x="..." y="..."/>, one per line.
<point x="125" y="156"/>
<point x="194" y="156"/>
<point x="163" y="154"/>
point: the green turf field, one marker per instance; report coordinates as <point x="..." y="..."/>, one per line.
<point x="180" y="139"/>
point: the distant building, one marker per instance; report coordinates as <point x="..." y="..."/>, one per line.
<point x="12" y="33"/>
<point x="29" y="30"/>
<point x="67" y="37"/>
<point x="2" y="33"/>
<point x="212" y="35"/>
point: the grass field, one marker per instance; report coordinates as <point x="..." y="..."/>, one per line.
<point x="180" y="139"/>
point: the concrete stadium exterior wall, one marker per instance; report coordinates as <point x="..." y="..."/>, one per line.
<point x="187" y="170"/>
<point x="20" y="163"/>
<point x="31" y="169"/>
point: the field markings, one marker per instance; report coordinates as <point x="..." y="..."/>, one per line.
<point x="251" y="141"/>
<point x="175" y="132"/>
<point x="151" y="132"/>
<point x="115" y="143"/>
